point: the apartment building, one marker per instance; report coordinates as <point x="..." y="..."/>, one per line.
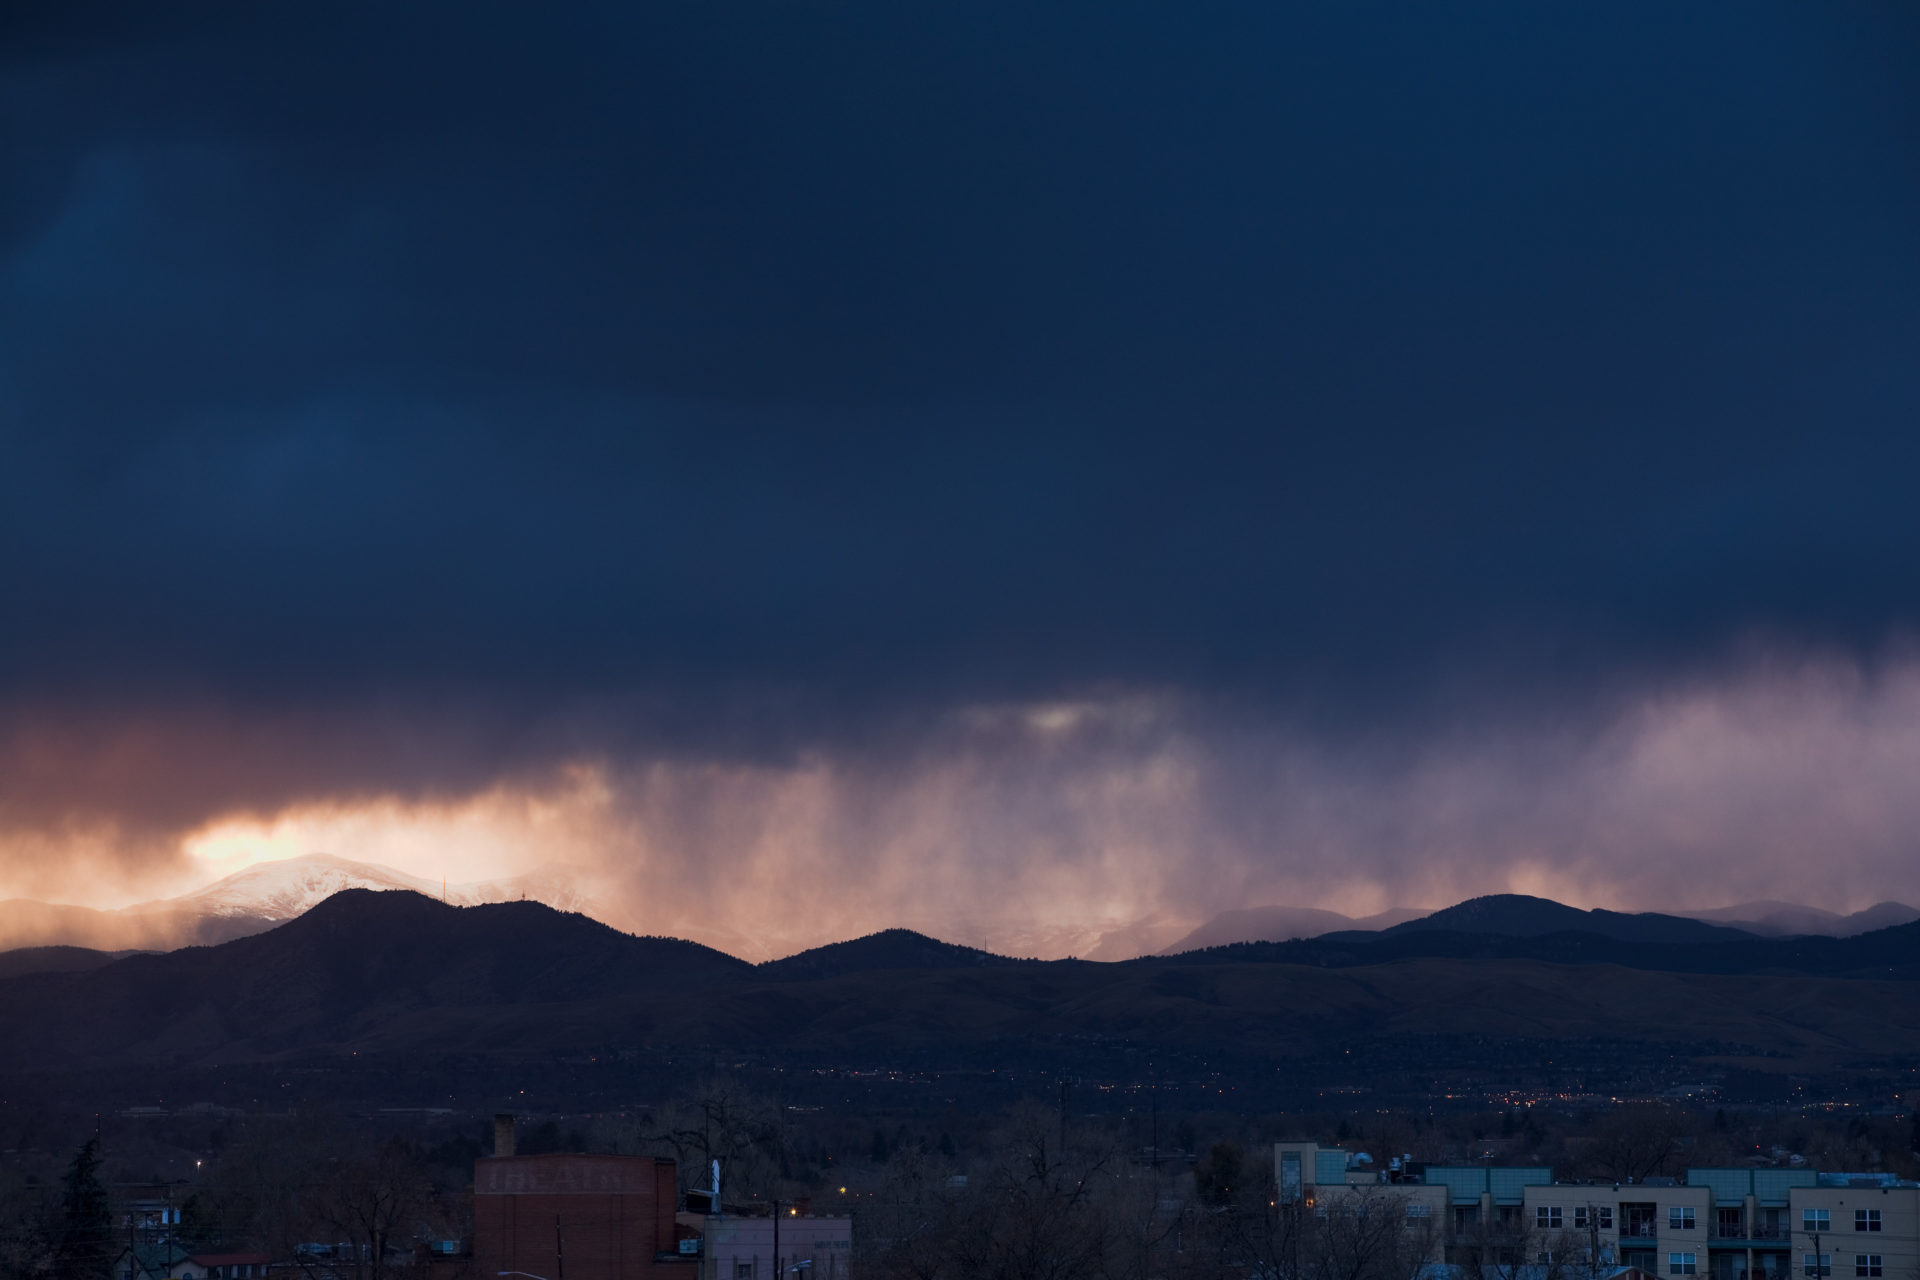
<point x="1716" y="1224"/>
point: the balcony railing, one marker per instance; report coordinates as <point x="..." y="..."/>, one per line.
<point x="1778" y="1232"/>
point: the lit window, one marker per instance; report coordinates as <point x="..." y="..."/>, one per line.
<point x="1866" y="1219"/>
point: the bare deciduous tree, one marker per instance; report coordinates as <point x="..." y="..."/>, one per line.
<point x="372" y="1201"/>
<point x="1039" y="1213"/>
<point x="719" y="1120"/>
<point x="1634" y="1143"/>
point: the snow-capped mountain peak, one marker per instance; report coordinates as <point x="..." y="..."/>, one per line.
<point x="287" y="888"/>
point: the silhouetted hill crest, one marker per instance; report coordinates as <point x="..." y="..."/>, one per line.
<point x="360" y="966"/>
<point x="569" y="950"/>
<point x="1520" y="916"/>
<point x="1892" y="953"/>
<point x="878" y="952"/>
<point x="397" y="973"/>
<point x="25" y="960"/>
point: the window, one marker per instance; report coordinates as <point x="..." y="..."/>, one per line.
<point x="1683" y="1264"/>
<point x="1866" y="1219"/>
<point x="1820" y="1266"/>
<point x="1866" y="1264"/>
<point x="743" y="1271"/>
<point x="1603" y="1217"/>
<point x="1546" y="1217"/>
<point x="1679" y="1217"/>
<point x="1816" y="1220"/>
<point x="1418" y="1210"/>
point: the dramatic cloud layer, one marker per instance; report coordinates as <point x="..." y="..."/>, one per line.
<point x="1044" y="829"/>
<point x="1022" y="467"/>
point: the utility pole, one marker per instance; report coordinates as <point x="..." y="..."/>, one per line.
<point x="559" y="1251"/>
<point x="777" y="1265"/>
<point x="1153" y="1094"/>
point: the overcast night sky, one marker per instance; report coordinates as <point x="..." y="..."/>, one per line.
<point x="1012" y="470"/>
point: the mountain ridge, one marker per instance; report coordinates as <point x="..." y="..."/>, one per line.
<point x="1520" y="915"/>
<point x="889" y="949"/>
<point x="1523" y="916"/>
<point x="397" y="973"/>
<point x="1281" y="924"/>
<point x="256" y="898"/>
<point x="1788" y="919"/>
<point x="259" y="896"/>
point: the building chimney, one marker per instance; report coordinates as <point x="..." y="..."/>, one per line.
<point x="503" y="1134"/>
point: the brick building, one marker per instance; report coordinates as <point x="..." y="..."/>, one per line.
<point x="579" y="1217"/>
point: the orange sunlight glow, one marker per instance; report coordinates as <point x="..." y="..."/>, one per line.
<point x="1078" y="828"/>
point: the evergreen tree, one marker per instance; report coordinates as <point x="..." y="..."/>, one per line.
<point x="199" y="1225"/>
<point x="86" y="1227"/>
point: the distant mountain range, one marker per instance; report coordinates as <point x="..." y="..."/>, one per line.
<point x="888" y="949"/>
<point x="290" y="887"/>
<point x="400" y="974"/>
<point x="270" y="893"/>
<point x="1785" y="919"/>
<point x="1280" y="924"/>
<point x="1513" y="915"/>
<point x="1516" y="915"/>
<point x="255" y="899"/>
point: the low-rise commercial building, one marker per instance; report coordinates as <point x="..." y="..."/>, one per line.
<point x="739" y="1247"/>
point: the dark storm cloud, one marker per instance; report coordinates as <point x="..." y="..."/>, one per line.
<point x="750" y="378"/>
